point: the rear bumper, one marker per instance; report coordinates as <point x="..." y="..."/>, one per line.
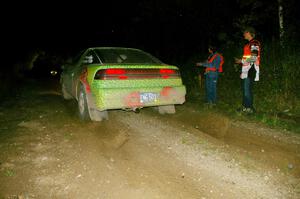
<point x="119" y="98"/>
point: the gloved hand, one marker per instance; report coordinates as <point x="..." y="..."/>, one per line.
<point x="199" y="64"/>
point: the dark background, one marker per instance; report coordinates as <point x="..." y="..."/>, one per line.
<point x="168" y="28"/>
<point x="176" y="31"/>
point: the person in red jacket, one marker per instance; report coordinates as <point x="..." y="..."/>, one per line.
<point x="213" y="66"/>
<point x="250" y="68"/>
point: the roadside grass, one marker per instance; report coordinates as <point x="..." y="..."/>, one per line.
<point x="9" y="173"/>
<point x="229" y="105"/>
<point x="68" y="136"/>
<point x="276" y="95"/>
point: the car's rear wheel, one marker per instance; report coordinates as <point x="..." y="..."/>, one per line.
<point x="83" y="108"/>
<point x="65" y="93"/>
<point x="167" y="109"/>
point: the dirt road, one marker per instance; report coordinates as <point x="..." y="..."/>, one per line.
<point x="47" y="152"/>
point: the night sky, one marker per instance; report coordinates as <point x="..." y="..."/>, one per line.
<point x="165" y="28"/>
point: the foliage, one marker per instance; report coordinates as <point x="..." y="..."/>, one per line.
<point x="275" y="95"/>
<point x="9" y="173"/>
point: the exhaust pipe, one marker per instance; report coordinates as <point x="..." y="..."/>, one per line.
<point x="136" y="110"/>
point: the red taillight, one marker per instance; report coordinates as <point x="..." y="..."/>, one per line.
<point x="111" y="73"/>
<point x="115" y="71"/>
<point x="165" y="73"/>
<point x="122" y="77"/>
<point x="134" y="73"/>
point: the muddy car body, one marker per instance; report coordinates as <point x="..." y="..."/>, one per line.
<point x="106" y="78"/>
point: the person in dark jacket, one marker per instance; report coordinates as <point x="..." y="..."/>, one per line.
<point x="213" y="66"/>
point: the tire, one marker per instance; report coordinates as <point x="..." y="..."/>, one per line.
<point x="167" y="109"/>
<point x="64" y="92"/>
<point x="83" y="109"/>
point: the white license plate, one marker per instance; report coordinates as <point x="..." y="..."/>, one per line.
<point x="149" y="97"/>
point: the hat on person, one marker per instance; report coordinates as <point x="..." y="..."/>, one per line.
<point x="212" y="47"/>
<point x="251" y="30"/>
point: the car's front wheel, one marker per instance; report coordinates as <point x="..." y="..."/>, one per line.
<point x="65" y="93"/>
<point x="83" y="108"/>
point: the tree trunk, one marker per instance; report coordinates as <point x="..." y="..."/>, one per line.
<point x="281" y="23"/>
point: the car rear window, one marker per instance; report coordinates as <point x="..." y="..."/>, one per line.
<point x="125" y="56"/>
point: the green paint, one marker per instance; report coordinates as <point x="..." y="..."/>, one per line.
<point x="113" y="94"/>
<point x="117" y="94"/>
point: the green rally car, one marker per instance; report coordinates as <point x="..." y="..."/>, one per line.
<point x="105" y="78"/>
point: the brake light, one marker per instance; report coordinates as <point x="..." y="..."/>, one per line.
<point x="115" y="71"/>
<point x="111" y="73"/>
<point x="134" y="73"/>
<point x="165" y="73"/>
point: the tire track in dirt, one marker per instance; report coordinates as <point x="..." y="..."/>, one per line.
<point x="206" y="155"/>
<point x="51" y="154"/>
<point x="132" y="169"/>
<point x="93" y="160"/>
